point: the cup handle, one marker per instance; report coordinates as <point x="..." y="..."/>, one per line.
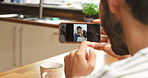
<point x="44" y="75"/>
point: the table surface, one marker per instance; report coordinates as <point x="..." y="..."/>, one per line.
<point x="33" y="70"/>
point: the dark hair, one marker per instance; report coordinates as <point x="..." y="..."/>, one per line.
<point x="84" y="33"/>
<point x="79" y="27"/>
<point x="139" y="9"/>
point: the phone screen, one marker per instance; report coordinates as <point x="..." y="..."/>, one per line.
<point x="78" y="32"/>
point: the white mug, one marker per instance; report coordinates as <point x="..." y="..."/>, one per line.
<point x="51" y="70"/>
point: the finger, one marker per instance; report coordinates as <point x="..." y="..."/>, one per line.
<point x="72" y="54"/>
<point x="83" y="46"/>
<point x="107" y="48"/>
<point x="66" y="58"/>
<point x="108" y="41"/>
<point x="102" y="31"/>
<point x="97" y="46"/>
<point x="92" y="58"/>
<point x="96" y="21"/>
<point x="66" y="64"/>
<point x="87" y="56"/>
<point x="104" y="39"/>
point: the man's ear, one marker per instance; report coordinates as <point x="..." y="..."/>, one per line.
<point x="113" y="6"/>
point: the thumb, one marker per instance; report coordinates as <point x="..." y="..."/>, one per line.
<point x="92" y="57"/>
<point x="97" y="46"/>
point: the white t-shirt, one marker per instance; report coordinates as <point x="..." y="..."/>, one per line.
<point x="132" y="67"/>
<point x="80" y="39"/>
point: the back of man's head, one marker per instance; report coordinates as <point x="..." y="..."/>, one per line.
<point x="139" y="10"/>
<point x="116" y="25"/>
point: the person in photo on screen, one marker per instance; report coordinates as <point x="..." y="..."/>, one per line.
<point x="78" y="33"/>
<point x="62" y="34"/>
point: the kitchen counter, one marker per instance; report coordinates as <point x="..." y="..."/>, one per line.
<point x="33" y="71"/>
<point x="29" y="22"/>
<point x="38" y="22"/>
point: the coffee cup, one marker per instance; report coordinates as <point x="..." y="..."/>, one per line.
<point x="51" y="70"/>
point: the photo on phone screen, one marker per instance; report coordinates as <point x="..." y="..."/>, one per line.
<point x="78" y="32"/>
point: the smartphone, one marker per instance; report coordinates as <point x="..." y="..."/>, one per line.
<point x="72" y="32"/>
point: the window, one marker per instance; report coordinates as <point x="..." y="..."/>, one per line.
<point x="71" y="1"/>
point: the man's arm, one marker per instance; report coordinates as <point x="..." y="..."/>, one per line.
<point x="79" y="63"/>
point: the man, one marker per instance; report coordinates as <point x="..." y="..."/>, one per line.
<point x="78" y="33"/>
<point x="126" y="24"/>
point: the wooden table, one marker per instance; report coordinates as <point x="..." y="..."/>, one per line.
<point x="33" y="70"/>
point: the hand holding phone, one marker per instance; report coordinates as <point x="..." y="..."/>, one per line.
<point x="78" y="32"/>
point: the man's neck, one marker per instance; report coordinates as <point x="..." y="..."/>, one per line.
<point x="136" y="33"/>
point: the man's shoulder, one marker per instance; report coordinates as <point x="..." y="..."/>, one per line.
<point x="75" y="34"/>
<point x="131" y="67"/>
<point x="138" y="55"/>
<point x="143" y="51"/>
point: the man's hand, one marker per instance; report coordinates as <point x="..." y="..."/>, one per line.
<point x="80" y="63"/>
<point x="107" y="48"/>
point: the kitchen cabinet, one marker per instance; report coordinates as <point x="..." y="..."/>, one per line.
<point x="7" y="46"/>
<point x="35" y="43"/>
<point x="22" y="44"/>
